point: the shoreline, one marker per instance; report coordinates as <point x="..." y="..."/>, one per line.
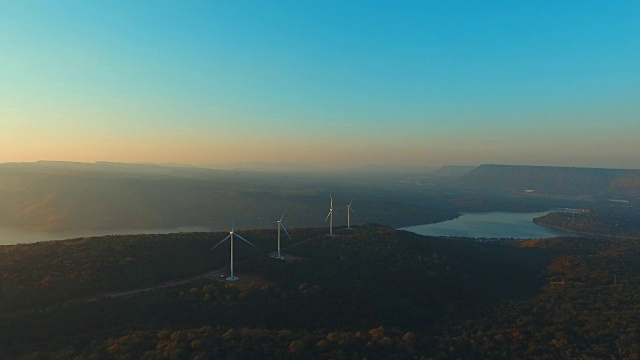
<point x="586" y="233"/>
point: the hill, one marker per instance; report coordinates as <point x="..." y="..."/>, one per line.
<point x="453" y="170"/>
<point x="597" y="222"/>
<point x="373" y="292"/>
<point x="556" y="180"/>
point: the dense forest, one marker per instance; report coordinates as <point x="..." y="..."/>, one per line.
<point x="607" y="223"/>
<point x="373" y="292"/>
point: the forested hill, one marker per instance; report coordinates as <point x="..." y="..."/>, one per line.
<point x="598" y="223"/>
<point x="373" y="292"/>
<point x="556" y="180"/>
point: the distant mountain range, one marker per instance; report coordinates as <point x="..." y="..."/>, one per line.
<point x="263" y="166"/>
<point x="555" y="180"/>
<point x="62" y="196"/>
<point x="454" y="170"/>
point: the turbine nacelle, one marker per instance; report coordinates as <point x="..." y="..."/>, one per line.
<point x="230" y="236"/>
<point x="349" y="212"/>
<point x="330" y="216"/>
<point x="281" y="225"/>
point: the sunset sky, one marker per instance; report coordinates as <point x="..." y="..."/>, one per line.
<point x="326" y="83"/>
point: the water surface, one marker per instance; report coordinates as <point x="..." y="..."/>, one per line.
<point x="490" y="225"/>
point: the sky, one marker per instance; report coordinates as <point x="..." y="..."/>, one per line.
<point x="325" y="83"/>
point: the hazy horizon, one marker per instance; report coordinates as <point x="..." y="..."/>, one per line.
<point x="324" y="84"/>
<point x="291" y="166"/>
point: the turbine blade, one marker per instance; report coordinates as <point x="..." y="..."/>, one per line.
<point x="327" y="218"/>
<point x="282" y="217"/>
<point x="353" y="212"/>
<point x="245" y="240"/>
<point x="285" y="231"/>
<point x="223" y="240"/>
<point x="350" y="202"/>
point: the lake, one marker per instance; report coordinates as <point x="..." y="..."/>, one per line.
<point x="490" y="225"/>
<point x="473" y="225"/>
<point x="12" y="236"/>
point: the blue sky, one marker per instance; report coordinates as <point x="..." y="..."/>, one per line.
<point x="326" y="83"/>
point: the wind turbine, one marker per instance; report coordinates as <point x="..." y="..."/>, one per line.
<point x="330" y="216"/>
<point x="231" y="233"/>
<point x="280" y="224"/>
<point x="349" y="212"/>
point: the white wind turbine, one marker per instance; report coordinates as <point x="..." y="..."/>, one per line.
<point x="330" y="216"/>
<point x="349" y="212"/>
<point x="281" y="225"/>
<point x="231" y="233"/>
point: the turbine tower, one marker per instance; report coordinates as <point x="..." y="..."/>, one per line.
<point x="230" y="236"/>
<point x="349" y="212"/>
<point x="330" y="216"/>
<point x="281" y="225"/>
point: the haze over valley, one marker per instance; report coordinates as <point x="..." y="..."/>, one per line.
<point x="59" y="197"/>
